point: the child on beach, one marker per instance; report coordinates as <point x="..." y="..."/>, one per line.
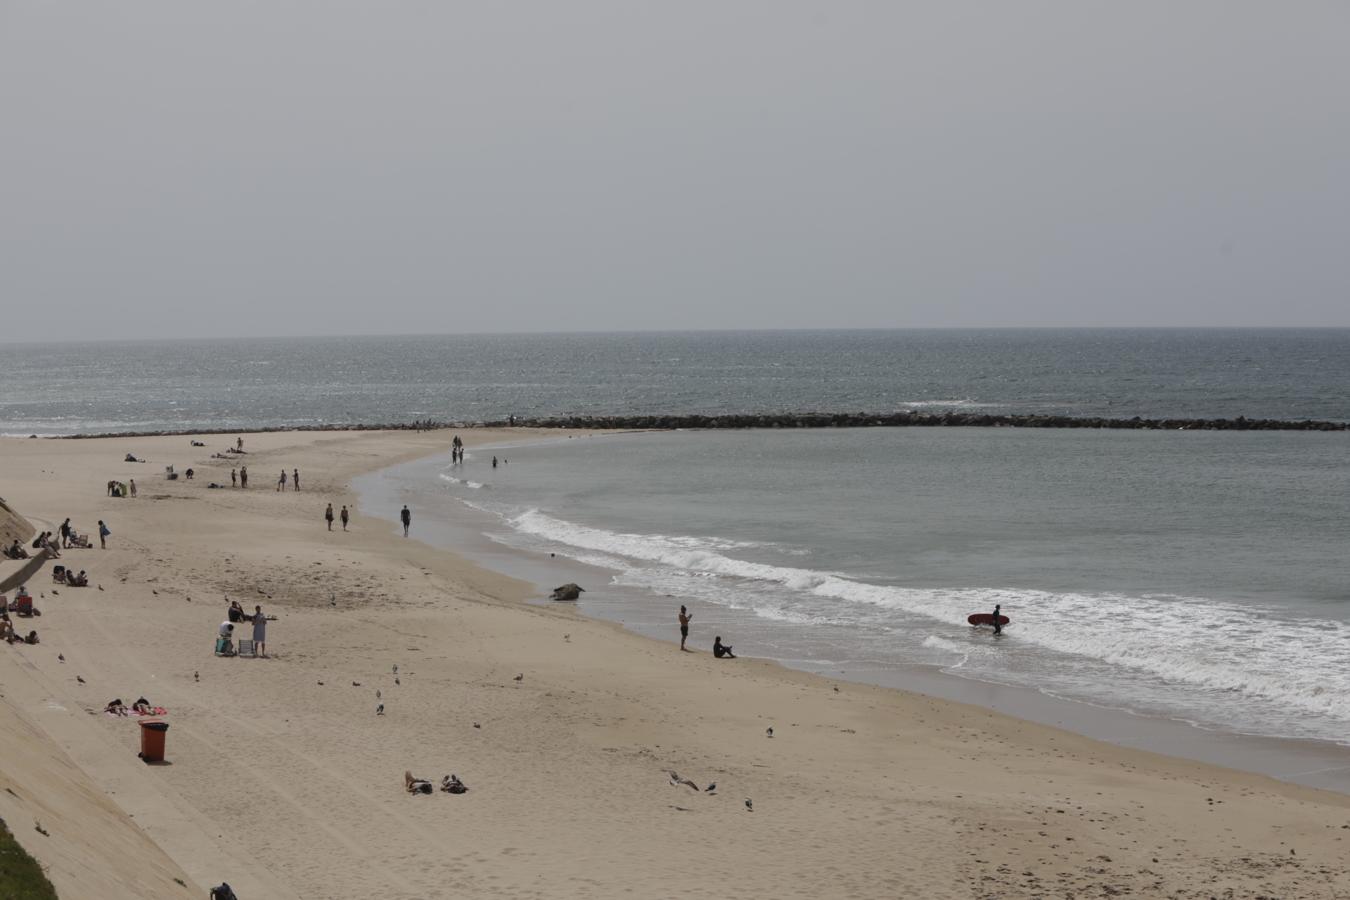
<point x="103" y="533"/>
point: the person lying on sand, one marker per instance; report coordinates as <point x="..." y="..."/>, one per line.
<point x="416" y="785"/>
<point x="116" y="707"/>
<point x="142" y="706"/>
<point x="721" y="650"/>
<point x="452" y="785"/>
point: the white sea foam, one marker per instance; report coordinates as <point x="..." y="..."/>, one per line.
<point x="1217" y="651"/>
<point x="476" y="485"/>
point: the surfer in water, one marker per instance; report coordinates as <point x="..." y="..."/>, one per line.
<point x="998" y="629"/>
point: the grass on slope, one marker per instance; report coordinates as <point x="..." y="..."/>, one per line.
<point x="21" y="878"/>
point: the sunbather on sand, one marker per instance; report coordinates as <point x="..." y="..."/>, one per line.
<point x="416" y="785"/>
<point x="452" y="785"/>
<point x="116" y="707"/>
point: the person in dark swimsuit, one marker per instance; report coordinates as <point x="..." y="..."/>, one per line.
<point x="998" y="629"/>
<point x="721" y="650"/>
<point x="684" y="627"/>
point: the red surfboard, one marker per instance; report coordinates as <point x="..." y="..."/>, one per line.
<point x="986" y="619"/>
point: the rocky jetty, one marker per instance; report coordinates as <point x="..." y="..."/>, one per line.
<point x="906" y="419"/>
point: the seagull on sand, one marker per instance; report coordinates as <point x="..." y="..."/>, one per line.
<point x="377" y="694"/>
<point x="379" y="710"/>
<point x="710" y="789"/>
<point x="676" y="780"/>
<point x="79" y="679"/>
<point x="520" y="677"/>
<point x="769" y="731"/>
<point x="748" y="805"/>
<point x="196" y="676"/>
<point x="61" y="656"/>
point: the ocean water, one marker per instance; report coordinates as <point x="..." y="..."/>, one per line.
<point x="1200" y="576"/>
<point x="120" y="386"/>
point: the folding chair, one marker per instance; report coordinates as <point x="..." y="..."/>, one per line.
<point x="246" y="648"/>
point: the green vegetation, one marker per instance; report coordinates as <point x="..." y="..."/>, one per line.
<point x="21" y="878"/>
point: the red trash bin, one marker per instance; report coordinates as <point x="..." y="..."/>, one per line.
<point x="152" y="741"/>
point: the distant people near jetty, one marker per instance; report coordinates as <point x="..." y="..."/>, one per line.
<point x="345" y="516"/>
<point x="234" y="478"/>
<point x="328" y="516"/>
<point x="295" y="479"/>
<point x="721" y="650"/>
<point x="456" y="450"/>
<point x="685" y="618"/>
<point x="239" y="444"/>
<point x="406" y="518"/>
<point x="243" y="477"/>
<point x="281" y="482"/>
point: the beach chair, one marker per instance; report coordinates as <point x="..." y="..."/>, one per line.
<point x="246" y="648"/>
<point x="80" y="540"/>
<point x="23" y="606"/>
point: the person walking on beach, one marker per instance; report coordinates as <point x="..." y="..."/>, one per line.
<point x="103" y="533"/>
<point x="344" y="518"/>
<point x="295" y="479"/>
<point x="281" y="482"/>
<point x="406" y="518"/>
<point x="243" y="477"/>
<point x="328" y="516"/>
<point x="234" y="478"/>
<point x="133" y="487"/>
<point x="65" y="534"/>
<point x="684" y="627"/>
<point x="259" y="632"/>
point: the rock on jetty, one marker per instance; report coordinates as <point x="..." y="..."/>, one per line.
<point x="915" y="420"/>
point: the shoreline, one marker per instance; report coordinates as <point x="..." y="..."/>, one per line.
<point x="1308" y="762"/>
<point x="283" y="780"/>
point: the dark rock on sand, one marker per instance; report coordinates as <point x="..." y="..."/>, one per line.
<point x="567" y="591"/>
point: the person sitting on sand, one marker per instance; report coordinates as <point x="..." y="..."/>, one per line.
<point x="80" y="580"/>
<point x="6" y="629"/>
<point x="16" y="551"/>
<point x="116" y="707"/>
<point x="224" y="891"/>
<point x="721" y="650"/>
<point x="32" y="638"/>
<point x="416" y="785"/>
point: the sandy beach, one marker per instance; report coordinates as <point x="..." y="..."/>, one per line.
<point x="283" y="781"/>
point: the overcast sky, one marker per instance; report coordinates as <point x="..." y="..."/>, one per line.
<point x="191" y="169"/>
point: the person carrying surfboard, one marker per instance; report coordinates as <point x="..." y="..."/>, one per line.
<point x="998" y="629"/>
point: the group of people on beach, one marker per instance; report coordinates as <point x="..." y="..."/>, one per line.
<point x="344" y="515"/>
<point x="720" y="650"/>
<point x="236" y="616"/>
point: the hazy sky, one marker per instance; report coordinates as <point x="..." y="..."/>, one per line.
<point x="190" y="169"/>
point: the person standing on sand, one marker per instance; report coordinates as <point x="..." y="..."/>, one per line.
<point x="259" y="632"/>
<point x="65" y="534"/>
<point x="684" y="627"/>
<point x="998" y="629"/>
<point x="133" y="487"/>
<point x="344" y="518"/>
<point x="328" y="516"/>
<point x="243" y="476"/>
<point x="406" y="518"/>
<point x="281" y="482"/>
<point x="239" y="444"/>
<point x="103" y="533"/>
<point x="295" y="479"/>
<point x="234" y="478"/>
<point x="494" y="462"/>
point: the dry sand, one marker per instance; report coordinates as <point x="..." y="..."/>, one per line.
<point x="283" y="781"/>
